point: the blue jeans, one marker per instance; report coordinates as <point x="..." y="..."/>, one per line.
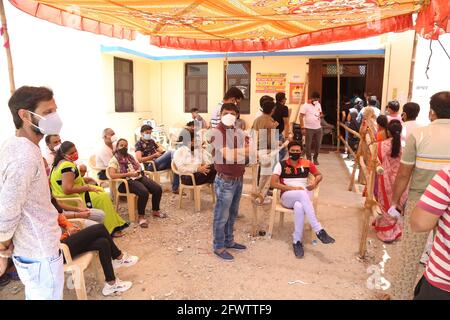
<point x="283" y="151"/>
<point x="163" y="163"/>
<point x="43" y="278"/>
<point x="228" y="194"/>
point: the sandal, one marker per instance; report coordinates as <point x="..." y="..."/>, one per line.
<point x="117" y="234"/>
<point x="159" y="214"/>
<point x="143" y="223"/>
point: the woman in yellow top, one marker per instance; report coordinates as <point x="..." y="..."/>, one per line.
<point x="66" y="181"/>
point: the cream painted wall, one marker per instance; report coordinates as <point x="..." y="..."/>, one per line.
<point x="171" y="86"/>
<point x="399" y="47"/>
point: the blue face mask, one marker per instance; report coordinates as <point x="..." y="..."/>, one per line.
<point x="147" y="136"/>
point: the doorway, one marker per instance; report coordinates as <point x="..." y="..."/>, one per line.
<point x="356" y="75"/>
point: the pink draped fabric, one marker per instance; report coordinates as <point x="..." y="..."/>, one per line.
<point x="387" y="179"/>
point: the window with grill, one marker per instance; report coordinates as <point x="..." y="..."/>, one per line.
<point x="345" y="70"/>
<point x="123" y="85"/>
<point x="196" y="87"/>
<point x="239" y="75"/>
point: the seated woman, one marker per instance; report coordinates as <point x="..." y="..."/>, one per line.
<point x="291" y="177"/>
<point x="66" y="182"/>
<point x="189" y="159"/>
<point x="97" y="238"/>
<point x="124" y="166"/>
<point x="389" y="155"/>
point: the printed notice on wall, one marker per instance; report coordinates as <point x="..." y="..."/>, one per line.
<point x="270" y="82"/>
<point x="295" y="92"/>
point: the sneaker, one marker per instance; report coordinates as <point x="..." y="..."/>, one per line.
<point x="159" y="214"/>
<point x="126" y="261"/>
<point x="237" y="246"/>
<point x="298" y="249"/>
<point x="324" y="237"/>
<point x="118" y="286"/>
<point x="225" y="255"/>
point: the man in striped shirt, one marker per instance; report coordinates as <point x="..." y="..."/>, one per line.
<point x="427" y="151"/>
<point x="433" y="210"/>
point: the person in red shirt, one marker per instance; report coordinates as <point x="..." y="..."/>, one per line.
<point x="433" y="211"/>
<point x="291" y="177"/>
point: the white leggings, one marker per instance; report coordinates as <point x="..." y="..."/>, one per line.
<point x="300" y="201"/>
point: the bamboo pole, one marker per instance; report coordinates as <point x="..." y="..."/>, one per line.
<point x="7" y="46"/>
<point x="370" y="200"/>
<point x="413" y="64"/>
<point x="350" y="130"/>
<point x="338" y="118"/>
<point x="355" y="167"/>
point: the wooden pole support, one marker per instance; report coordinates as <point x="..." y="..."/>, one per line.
<point x="7" y="45"/>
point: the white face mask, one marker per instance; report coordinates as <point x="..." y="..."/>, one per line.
<point x="229" y="120"/>
<point x="114" y="138"/>
<point x="50" y="124"/>
<point x="56" y="148"/>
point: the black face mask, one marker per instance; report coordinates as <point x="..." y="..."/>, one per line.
<point x="294" y="156"/>
<point x="123" y="151"/>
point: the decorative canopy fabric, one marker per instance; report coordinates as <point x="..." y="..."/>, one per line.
<point x="243" y="25"/>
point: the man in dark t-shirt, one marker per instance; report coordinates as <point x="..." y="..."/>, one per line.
<point x="281" y="115"/>
<point x="230" y="153"/>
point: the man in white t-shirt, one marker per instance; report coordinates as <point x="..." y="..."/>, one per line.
<point x="233" y="95"/>
<point x="53" y="142"/>
<point x="105" y="154"/>
<point x="310" y="115"/>
<point x="410" y="112"/>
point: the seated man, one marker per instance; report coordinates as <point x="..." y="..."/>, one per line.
<point x="53" y="141"/>
<point x="189" y="159"/>
<point x="83" y="170"/>
<point x="199" y="122"/>
<point x="105" y="153"/>
<point x="148" y="150"/>
<point x="291" y="177"/>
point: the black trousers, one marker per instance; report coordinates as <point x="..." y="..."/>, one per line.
<point x="95" y="238"/>
<point x="143" y="187"/>
<point x="425" y="291"/>
<point x="200" y="178"/>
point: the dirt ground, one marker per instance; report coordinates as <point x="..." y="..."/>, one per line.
<point x="177" y="262"/>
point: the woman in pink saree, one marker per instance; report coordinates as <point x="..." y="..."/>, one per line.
<point x="389" y="154"/>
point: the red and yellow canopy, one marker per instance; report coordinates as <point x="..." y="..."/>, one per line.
<point x="243" y="25"/>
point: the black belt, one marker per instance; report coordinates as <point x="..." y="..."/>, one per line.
<point x="227" y="177"/>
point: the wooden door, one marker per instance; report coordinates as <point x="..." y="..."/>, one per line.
<point x="374" y="77"/>
<point x="315" y="76"/>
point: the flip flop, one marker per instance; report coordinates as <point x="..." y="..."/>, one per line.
<point x="4" y="280"/>
<point x="13" y="276"/>
<point x="159" y="214"/>
<point x="117" y="234"/>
